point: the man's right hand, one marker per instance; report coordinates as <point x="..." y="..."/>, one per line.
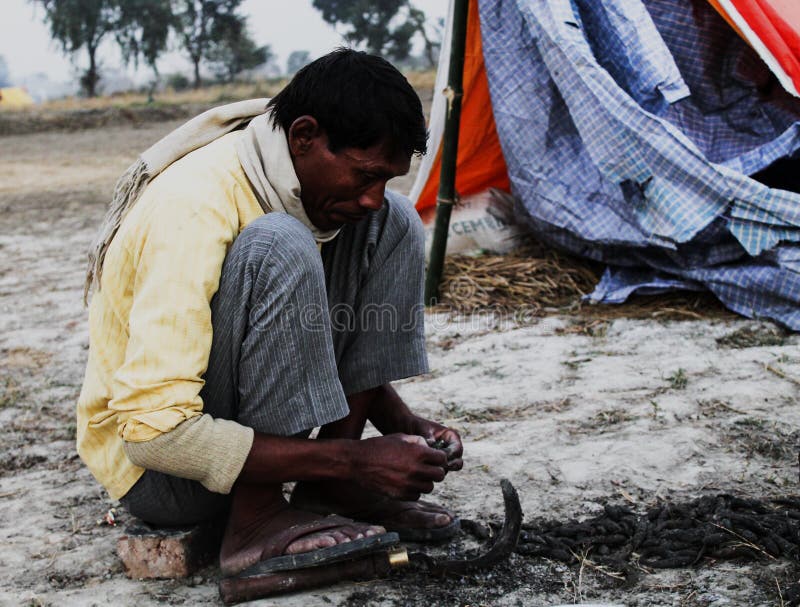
<point x="398" y="465"/>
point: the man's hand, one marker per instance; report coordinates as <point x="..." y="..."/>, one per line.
<point x="399" y="465"/>
<point x="390" y="414"/>
<point x="441" y="437"/>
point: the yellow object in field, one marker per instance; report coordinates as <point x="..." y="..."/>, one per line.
<point x="14" y="97"/>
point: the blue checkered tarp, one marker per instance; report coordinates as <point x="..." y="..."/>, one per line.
<point x="629" y="128"/>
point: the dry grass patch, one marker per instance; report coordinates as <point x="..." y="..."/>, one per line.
<point x="530" y="278"/>
<point x="771" y="440"/>
<point x="456" y="413"/>
<point x="422" y="80"/>
<point x="753" y="337"/>
<point x="10" y="392"/>
<point x="604" y="421"/>
<point x="535" y="280"/>
<point x="205" y="95"/>
<point x="24" y="358"/>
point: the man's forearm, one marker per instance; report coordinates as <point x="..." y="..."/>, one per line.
<point x="388" y="412"/>
<point x="399" y="465"/>
<point x="279" y="459"/>
<point x="382" y="406"/>
<point x="212" y="450"/>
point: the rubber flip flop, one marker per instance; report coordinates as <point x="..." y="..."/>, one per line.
<point x="322" y="556"/>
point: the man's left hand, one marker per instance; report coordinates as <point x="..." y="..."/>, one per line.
<point x="433" y="432"/>
<point x="389" y="414"/>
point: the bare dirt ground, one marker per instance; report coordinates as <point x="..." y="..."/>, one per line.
<point x="624" y="412"/>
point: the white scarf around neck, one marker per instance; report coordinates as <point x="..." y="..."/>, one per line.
<point x="260" y="146"/>
<point x="264" y="155"/>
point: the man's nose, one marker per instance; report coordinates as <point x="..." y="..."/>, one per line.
<point x="372" y="199"/>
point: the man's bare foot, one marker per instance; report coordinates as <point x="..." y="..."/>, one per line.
<point x="348" y="499"/>
<point x="263" y="525"/>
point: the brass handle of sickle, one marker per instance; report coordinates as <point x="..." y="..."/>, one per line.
<point x="398" y="558"/>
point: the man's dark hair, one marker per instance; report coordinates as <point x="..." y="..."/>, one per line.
<point x="358" y="99"/>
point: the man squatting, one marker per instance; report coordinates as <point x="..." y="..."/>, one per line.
<point x="205" y="376"/>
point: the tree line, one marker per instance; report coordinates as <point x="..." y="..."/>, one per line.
<point x="210" y="32"/>
<point x="214" y="33"/>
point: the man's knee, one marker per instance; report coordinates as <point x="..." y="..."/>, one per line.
<point x="404" y="223"/>
<point x="281" y="239"/>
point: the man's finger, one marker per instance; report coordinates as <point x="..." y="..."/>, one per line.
<point x="454" y="450"/>
<point x="436" y="456"/>
<point x="432" y="473"/>
<point x="455" y="464"/>
<point x="454" y="446"/>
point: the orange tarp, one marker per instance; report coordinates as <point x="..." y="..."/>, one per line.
<point x="480" y="164"/>
<point x="727" y="18"/>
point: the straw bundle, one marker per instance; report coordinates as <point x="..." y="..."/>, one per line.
<point x="539" y="281"/>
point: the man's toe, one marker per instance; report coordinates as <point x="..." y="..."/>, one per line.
<point x="341" y="536"/>
<point x="332" y="537"/>
<point x="311" y="542"/>
<point x="424" y="519"/>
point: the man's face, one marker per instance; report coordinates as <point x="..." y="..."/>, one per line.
<point x="341" y="187"/>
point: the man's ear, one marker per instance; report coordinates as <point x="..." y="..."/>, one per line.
<point x="303" y="134"/>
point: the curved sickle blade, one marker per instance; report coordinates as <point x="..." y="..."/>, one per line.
<point x="501" y="549"/>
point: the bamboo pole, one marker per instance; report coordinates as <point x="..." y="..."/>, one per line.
<point x="447" y="178"/>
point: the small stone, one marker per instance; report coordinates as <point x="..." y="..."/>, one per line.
<point x="167" y="552"/>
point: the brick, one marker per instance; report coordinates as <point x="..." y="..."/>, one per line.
<point x="168" y="552"/>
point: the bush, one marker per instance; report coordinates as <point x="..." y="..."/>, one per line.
<point x="177" y="82"/>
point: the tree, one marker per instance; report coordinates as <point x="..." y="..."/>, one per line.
<point x="296" y="61"/>
<point x="382" y="27"/>
<point x="198" y="22"/>
<point x="78" y="24"/>
<point x="233" y="50"/>
<point x="4" y="77"/>
<point x="142" y="31"/>
<point x="417" y="17"/>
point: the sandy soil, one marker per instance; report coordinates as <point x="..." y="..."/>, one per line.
<point x="628" y="411"/>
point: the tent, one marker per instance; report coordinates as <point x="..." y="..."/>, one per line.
<point x="14" y="97"/>
<point x="645" y="134"/>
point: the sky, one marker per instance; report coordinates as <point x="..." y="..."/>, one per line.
<point x="286" y="25"/>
